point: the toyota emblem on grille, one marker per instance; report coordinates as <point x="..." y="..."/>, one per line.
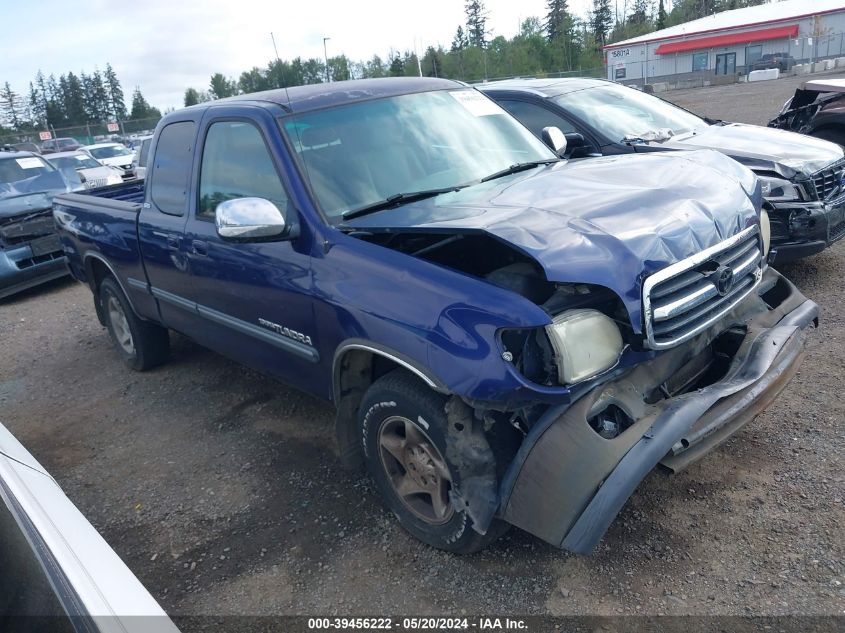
<point x="723" y="279"/>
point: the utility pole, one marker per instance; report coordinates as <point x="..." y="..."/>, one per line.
<point x="326" y="55"/>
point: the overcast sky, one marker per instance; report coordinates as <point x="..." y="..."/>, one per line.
<point x="164" y="46"/>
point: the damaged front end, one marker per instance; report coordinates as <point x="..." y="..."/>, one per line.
<point x="722" y="335"/>
<point x="580" y="462"/>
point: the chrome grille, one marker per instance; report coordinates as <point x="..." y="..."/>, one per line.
<point x="685" y="298"/>
<point x="827" y="182"/>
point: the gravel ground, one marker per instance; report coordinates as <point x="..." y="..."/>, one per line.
<point x="222" y="492"/>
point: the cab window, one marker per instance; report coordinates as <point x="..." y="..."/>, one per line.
<point x="236" y="164"/>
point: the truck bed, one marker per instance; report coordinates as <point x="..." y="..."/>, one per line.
<point x="99" y="227"/>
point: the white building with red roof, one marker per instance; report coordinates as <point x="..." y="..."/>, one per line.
<point x="730" y="43"/>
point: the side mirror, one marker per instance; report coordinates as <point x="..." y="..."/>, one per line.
<point x="578" y="147"/>
<point x="251" y="219"/>
<point x="555" y="139"/>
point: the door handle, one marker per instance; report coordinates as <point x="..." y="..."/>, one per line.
<point x="199" y="247"/>
<point x="173" y="241"/>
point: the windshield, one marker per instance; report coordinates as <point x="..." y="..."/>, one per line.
<point x="624" y="113"/>
<point x="109" y="151"/>
<point x="77" y="161"/>
<point x="359" y="154"/>
<point x="17" y="169"/>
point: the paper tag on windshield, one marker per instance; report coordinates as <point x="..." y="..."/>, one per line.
<point x="476" y="102"/>
<point x="80" y="157"/>
<point x="29" y="163"/>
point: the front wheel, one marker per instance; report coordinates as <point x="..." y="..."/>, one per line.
<point x="141" y="344"/>
<point x="402" y="425"/>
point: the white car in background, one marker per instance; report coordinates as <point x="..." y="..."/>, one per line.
<point x="113" y="155"/>
<point x="82" y="165"/>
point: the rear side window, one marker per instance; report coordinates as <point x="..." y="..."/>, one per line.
<point x="172" y="167"/>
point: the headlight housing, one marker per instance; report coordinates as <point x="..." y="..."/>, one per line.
<point x="765" y="231"/>
<point x="779" y="189"/>
<point x="586" y="343"/>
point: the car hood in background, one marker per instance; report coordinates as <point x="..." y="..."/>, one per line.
<point x="608" y="221"/>
<point x="32" y="194"/>
<point x="795" y="154"/>
<point x="117" y="161"/>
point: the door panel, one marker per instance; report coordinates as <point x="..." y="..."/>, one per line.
<point x="161" y="223"/>
<point x="254" y="299"/>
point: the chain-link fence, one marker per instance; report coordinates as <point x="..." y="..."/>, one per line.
<point x="87" y="134"/>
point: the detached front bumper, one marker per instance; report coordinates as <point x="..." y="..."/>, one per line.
<point x="801" y="230"/>
<point x="568" y="483"/>
<point x="30" y="252"/>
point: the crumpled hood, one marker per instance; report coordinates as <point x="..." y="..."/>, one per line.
<point x="799" y="154"/>
<point x="607" y="221"/>
<point x="32" y="194"/>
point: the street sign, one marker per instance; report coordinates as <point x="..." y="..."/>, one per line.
<point x="45" y="136"/>
<point x="113" y="127"/>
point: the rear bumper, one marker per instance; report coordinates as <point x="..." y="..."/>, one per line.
<point x="569" y="483"/>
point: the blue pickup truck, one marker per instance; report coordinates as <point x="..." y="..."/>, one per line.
<point x="508" y="337"/>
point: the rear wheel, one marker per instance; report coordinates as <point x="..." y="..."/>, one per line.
<point x="141" y="344"/>
<point x="402" y="425"/>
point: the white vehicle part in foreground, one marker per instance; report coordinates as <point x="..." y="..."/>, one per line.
<point x="108" y="591"/>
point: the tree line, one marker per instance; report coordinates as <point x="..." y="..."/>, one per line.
<point x="558" y="42"/>
<point x="71" y="100"/>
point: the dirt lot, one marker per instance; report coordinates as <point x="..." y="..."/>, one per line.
<point x="221" y="490"/>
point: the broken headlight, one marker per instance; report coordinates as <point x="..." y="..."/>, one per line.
<point x="779" y="189"/>
<point x="585" y="342"/>
<point x="765" y="231"/>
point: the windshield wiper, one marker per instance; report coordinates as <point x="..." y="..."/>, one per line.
<point x="395" y="200"/>
<point x="513" y="169"/>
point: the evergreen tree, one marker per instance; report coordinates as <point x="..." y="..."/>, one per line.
<point x="220" y="87"/>
<point x="476" y="23"/>
<point x="114" y="92"/>
<point x="192" y="97"/>
<point x="661" y="15"/>
<point x="460" y="42"/>
<point x="99" y="98"/>
<point x="140" y="108"/>
<point x="38" y="113"/>
<point x="602" y="21"/>
<point x="253" y="80"/>
<point x="74" y="100"/>
<point x="11" y="107"/>
<point x="640" y="13"/>
<point x="558" y="21"/>
<point x="396" y="65"/>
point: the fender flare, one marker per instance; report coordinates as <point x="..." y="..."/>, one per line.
<point x="421" y="372"/>
<point x="85" y="265"/>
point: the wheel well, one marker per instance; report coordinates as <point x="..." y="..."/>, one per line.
<point x="96" y="271"/>
<point x="354" y="371"/>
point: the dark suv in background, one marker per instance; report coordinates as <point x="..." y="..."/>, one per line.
<point x="782" y="61"/>
<point x="60" y="145"/>
<point x="802" y="177"/>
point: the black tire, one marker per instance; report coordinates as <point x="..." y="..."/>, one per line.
<point x="141" y="344"/>
<point x="834" y="135"/>
<point x="391" y="403"/>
